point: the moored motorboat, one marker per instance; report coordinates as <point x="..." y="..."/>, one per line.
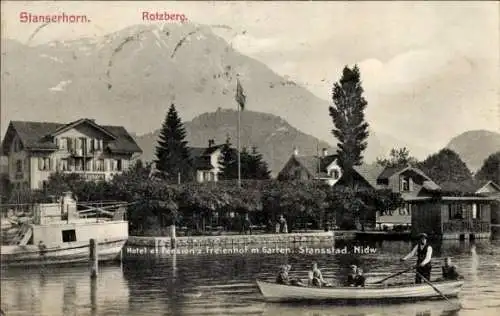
<point x="59" y="234"/>
<point x="278" y="292"/>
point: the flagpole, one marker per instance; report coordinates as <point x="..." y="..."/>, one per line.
<point x="239" y="158"/>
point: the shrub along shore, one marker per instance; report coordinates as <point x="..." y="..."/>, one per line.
<point x="221" y="207"/>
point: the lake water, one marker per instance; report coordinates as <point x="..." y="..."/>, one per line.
<point x="206" y="284"/>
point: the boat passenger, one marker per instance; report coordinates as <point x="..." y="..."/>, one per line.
<point x="450" y="271"/>
<point x="317" y="277"/>
<point x="42" y="248"/>
<point x="359" y="279"/>
<point x="351" y="277"/>
<point x="423" y="251"/>
<point x="282" y="277"/>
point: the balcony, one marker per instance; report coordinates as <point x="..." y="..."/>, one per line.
<point x="81" y="153"/>
<point x="94" y="175"/>
<point x="463" y="226"/>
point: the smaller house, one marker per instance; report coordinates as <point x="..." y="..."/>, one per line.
<point x="323" y="168"/>
<point x="408" y="181"/>
<point x="207" y="161"/>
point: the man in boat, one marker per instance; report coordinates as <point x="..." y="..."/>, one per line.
<point x="423" y="251"/>
<point x="450" y="271"/>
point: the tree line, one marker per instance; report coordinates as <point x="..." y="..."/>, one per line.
<point x="154" y="204"/>
<point x="446" y="167"/>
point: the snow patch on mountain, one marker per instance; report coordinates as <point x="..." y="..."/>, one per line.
<point x="60" y="86"/>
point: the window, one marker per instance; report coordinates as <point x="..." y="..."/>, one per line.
<point x="18" y="146"/>
<point x="116" y="165"/>
<point x="405" y="184"/>
<point x="83" y="143"/>
<point x="405" y="210"/>
<point x="455" y="211"/>
<point x="334" y="173"/>
<point x="476" y="211"/>
<point x="69" y="235"/>
<point x="78" y="164"/>
<point x="19" y="166"/>
<point x="88" y="165"/>
<point x="44" y="164"/>
<point x="64" y="165"/>
<point x="63" y="143"/>
<point x="99" y="165"/>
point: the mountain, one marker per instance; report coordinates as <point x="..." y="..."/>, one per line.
<point x="272" y="136"/>
<point x="131" y="77"/>
<point x="475" y="146"/>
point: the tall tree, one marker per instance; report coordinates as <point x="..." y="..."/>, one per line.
<point x="398" y="157"/>
<point x="446" y="167"/>
<point x="228" y="161"/>
<point x="258" y="166"/>
<point x="490" y="169"/>
<point x="347" y="112"/>
<point x="172" y="154"/>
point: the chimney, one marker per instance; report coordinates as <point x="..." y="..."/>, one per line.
<point x="325" y="152"/>
<point x="211" y="142"/>
<point x="295" y="151"/>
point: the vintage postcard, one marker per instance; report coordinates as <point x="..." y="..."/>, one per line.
<point x="250" y="158"/>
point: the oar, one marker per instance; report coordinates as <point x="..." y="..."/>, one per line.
<point x="436" y="289"/>
<point x="393" y="275"/>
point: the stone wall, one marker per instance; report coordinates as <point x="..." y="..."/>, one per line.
<point x="229" y="240"/>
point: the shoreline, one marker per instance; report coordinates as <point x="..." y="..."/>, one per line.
<point x="229" y="240"/>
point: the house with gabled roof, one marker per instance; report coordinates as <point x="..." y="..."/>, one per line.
<point x="37" y="149"/>
<point x="450" y="211"/>
<point x="206" y="161"/>
<point x="323" y="168"/>
<point x="408" y="181"/>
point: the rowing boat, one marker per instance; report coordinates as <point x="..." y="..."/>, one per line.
<point x="278" y="292"/>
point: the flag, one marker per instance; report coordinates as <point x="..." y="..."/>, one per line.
<point x="240" y="95"/>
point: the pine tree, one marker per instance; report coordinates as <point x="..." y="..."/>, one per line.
<point x="347" y="112"/>
<point x="172" y="154"/>
<point x="228" y="161"/>
<point x="490" y="170"/>
<point x="257" y="166"/>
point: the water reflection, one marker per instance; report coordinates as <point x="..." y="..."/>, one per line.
<point x="433" y="308"/>
<point x="225" y="285"/>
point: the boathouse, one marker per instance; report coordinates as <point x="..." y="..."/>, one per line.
<point x="452" y="217"/>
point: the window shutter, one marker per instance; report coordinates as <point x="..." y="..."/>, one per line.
<point x="101" y="144"/>
<point x="40" y="163"/>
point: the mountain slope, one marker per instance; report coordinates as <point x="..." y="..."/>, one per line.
<point x="272" y="135"/>
<point x="475" y="146"/>
<point x="130" y="77"/>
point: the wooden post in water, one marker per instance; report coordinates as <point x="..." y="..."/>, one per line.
<point x="93" y="258"/>
<point x="172" y="236"/>
<point x="93" y="295"/>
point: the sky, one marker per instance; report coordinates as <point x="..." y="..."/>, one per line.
<point x="428" y="68"/>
